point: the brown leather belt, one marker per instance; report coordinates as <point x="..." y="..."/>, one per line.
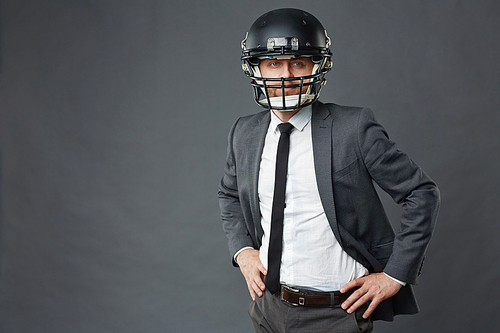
<point x="301" y="297"/>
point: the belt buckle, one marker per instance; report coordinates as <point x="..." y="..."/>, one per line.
<point x="293" y="290"/>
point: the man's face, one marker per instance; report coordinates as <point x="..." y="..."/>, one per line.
<point x="286" y="68"/>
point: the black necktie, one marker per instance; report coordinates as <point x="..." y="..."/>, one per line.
<point x="276" y="238"/>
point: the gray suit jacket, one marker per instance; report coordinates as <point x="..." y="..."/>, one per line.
<point x="351" y="151"/>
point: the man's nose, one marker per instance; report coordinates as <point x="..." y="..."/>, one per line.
<point x="287" y="72"/>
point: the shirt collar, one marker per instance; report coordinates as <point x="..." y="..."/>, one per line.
<point x="299" y="120"/>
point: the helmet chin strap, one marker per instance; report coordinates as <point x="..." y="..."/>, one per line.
<point x="291" y="101"/>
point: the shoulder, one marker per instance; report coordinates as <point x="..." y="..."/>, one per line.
<point x="247" y="129"/>
<point x="342" y="112"/>
<point x="344" y="117"/>
<point x="245" y="123"/>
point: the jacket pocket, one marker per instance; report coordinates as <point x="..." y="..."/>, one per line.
<point x="382" y="252"/>
<point x="345" y="170"/>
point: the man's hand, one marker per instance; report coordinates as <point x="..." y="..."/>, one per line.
<point x="374" y="287"/>
<point x="252" y="269"/>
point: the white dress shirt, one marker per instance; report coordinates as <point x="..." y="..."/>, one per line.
<point x="312" y="257"/>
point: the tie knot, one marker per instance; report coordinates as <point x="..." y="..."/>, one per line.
<point x="285" y="127"/>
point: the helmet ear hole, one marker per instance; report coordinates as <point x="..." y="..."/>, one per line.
<point x="316" y="59"/>
<point x="246" y="69"/>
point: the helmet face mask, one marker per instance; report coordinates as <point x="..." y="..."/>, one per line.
<point x="286" y="34"/>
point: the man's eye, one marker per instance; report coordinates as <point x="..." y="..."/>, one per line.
<point x="298" y="64"/>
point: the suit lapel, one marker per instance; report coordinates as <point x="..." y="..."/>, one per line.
<point x="321" y="126"/>
<point x="255" y="148"/>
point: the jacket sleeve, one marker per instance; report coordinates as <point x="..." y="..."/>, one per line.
<point x="408" y="186"/>
<point x="233" y="221"/>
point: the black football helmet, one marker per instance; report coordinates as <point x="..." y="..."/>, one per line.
<point x="286" y="33"/>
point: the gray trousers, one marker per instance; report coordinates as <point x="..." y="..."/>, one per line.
<point x="269" y="314"/>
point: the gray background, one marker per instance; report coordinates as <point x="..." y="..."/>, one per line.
<point x="113" y="124"/>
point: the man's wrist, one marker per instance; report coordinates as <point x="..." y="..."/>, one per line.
<point x="394" y="279"/>
<point x="241" y="250"/>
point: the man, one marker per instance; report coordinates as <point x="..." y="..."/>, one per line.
<point x="302" y="217"/>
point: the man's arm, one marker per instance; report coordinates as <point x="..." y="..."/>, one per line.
<point x="233" y="220"/>
<point x="410" y="187"/>
<point x="241" y="246"/>
<point x="419" y="197"/>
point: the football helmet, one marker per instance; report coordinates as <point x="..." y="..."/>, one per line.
<point x="286" y="33"/>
